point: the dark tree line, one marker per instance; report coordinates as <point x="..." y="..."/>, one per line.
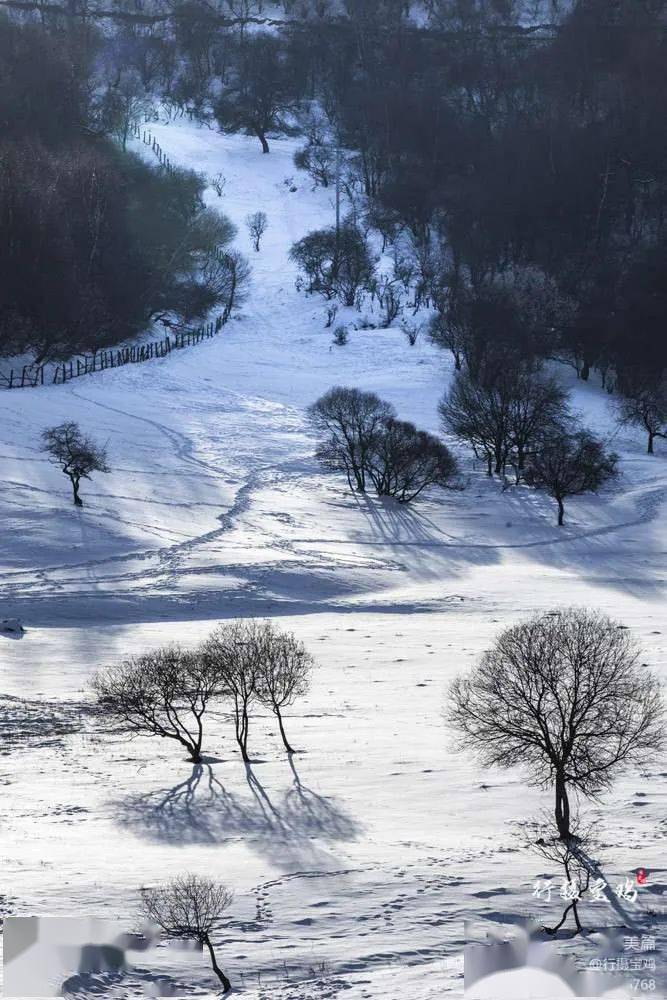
<point x="96" y="243"/>
<point x="515" y="169"/>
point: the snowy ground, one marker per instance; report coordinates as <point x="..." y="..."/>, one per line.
<point x="353" y="871"/>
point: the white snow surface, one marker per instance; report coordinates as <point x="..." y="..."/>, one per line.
<point x="354" y="867"/>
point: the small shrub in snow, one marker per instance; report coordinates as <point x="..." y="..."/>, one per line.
<point x="219" y="183"/>
<point x="319" y="160"/>
<point x="332" y="312"/>
<point x="411" y="331"/>
<point x="340" y="336"/>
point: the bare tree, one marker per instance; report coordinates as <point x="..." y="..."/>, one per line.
<point x="284" y="672"/>
<point x="162" y="693"/>
<point x="257" y="223"/>
<point x="257" y="97"/>
<point x="188" y="908"/>
<point x="77" y="454"/>
<point x="124" y="105"/>
<point x="537" y="403"/>
<point x="348" y="422"/>
<point x="404" y="461"/>
<point x="645" y="406"/>
<point x="218" y="183"/>
<point x="564" y="696"/>
<point x="571" y="857"/>
<point x="319" y="159"/>
<point x="568" y="463"/>
<point x="479" y="415"/>
<point x="233" y="655"/>
<point x="337" y="262"/>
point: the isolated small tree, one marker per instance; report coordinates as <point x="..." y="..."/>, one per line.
<point x="564" y="696"/>
<point x="77" y="455"/>
<point x="569" y="463"/>
<point x="348" y="421"/>
<point x="389" y="299"/>
<point x="234" y="276"/>
<point x="404" y="461"/>
<point x="284" y="672"/>
<point x="219" y="183"/>
<point x="645" y="406"/>
<point x="570" y="855"/>
<point x="188" y="908"/>
<point x="257" y="224"/>
<point x="162" y="693"/>
<point x="233" y="653"/>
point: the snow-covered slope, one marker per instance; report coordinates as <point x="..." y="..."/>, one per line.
<point x="355" y="869"/>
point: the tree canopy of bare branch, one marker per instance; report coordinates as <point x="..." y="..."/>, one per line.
<point x="284" y="672"/>
<point x="77" y="454"/>
<point x="162" y="693"/>
<point x="189" y="907"/>
<point x="564" y="696"/>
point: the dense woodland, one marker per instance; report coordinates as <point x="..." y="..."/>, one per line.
<point x="512" y="156"/>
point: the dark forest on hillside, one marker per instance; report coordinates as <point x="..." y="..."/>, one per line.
<point x="519" y="150"/>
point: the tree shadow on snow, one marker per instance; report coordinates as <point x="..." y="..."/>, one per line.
<point x="201" y="810"/>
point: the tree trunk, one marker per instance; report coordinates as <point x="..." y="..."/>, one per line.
<point x="262" y="138"/>
<point x="226" y="985"/>
<point x="75" y="489"/>
<point x="561" y="512"/>
<point x="562" y="807"/>
<point x="242" y="732"/>
<point x="649" y="449"/>
<point x="282" y="731"/>
<point x="585" y="371"/>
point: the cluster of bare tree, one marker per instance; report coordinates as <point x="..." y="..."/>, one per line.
<point x="564" y="696"/>
<point x="167" y="692"/>
<point x="360" y="435"/>
<point x="521" y="419"/>
<point x="336" y="262"/>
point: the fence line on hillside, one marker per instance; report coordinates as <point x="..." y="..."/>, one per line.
<point x="31" y="376"/>
<point x="146" y="136"/>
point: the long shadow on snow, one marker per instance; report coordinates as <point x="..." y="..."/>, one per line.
<point x="200" y="810"/>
